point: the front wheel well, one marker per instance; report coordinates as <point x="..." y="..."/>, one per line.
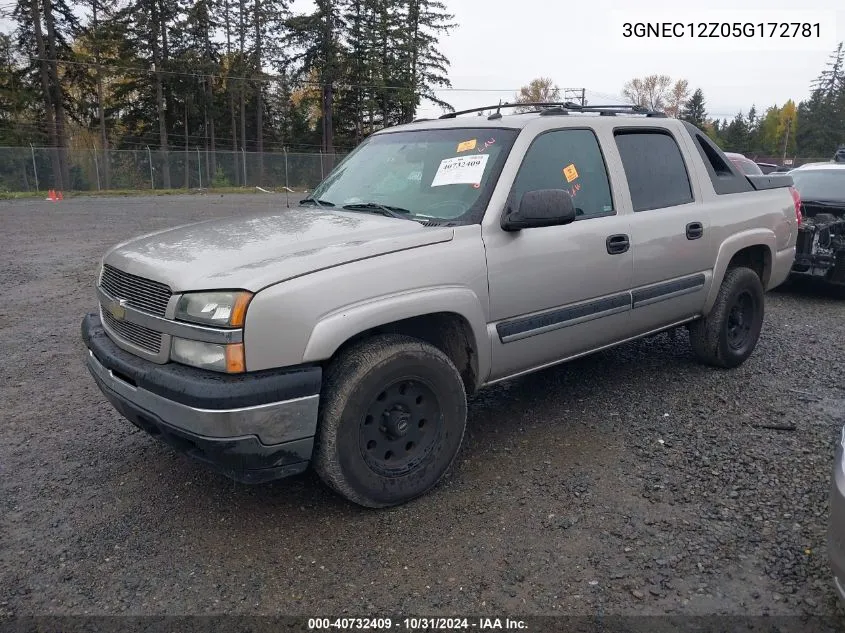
<point x="449" y="332"/>
<point x="758" y="258"/>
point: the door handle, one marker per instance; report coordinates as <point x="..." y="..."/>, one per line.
<point x="618" y="244"/>
<point x="695" y="230"/>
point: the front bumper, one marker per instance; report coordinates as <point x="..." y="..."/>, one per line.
<point x="836" y="534"/>
<point x="252" y="427"/>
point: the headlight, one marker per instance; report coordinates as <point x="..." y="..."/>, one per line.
<point x="225" y="358"/>
<point x="224" y="308"/>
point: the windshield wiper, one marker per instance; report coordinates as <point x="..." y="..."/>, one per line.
<point x="384" y="209"/>
<point x="314" y="201"/>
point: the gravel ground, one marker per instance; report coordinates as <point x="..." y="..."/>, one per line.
<point x="631" y="482"/>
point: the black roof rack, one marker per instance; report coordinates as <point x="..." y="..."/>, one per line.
<point x="561" y="107"/>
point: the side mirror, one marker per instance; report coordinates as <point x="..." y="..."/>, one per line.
<point x="543" y="207"/>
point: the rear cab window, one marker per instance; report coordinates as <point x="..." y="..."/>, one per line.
<point x="654" y="167"/>
<point x="725" y="177"/>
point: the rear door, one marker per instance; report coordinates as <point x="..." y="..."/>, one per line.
<point x="670" y="229"/>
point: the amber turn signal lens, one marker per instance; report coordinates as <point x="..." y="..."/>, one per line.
<point x="235" y="363"/>
<point x="236" y="319"/>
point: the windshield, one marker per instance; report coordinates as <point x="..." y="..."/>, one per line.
<point x="820" y="184"/>
<point x="442" y="175"/>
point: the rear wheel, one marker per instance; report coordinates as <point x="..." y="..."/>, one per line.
<point x="727" y="336"/>
<point x="392" y="418"/>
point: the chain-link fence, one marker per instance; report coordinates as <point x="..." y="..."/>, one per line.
<point x="29" y="169"/>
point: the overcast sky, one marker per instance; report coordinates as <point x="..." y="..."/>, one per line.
<point x="502" y="44"/>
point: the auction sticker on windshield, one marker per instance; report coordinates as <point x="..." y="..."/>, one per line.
<point x="466" y="146"/>
<point x="466" y="170"/>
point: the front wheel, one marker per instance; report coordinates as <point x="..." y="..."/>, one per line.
<point x="727" y="336"/>
<point x="392" y="418"/>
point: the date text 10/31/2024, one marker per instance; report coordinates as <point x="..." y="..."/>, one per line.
<point x="415" y="624"/>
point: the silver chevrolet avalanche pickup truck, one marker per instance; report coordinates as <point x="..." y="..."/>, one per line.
<point x="437" y="258"/>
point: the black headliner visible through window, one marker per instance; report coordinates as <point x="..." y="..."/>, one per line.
<point x="654" y="167"/>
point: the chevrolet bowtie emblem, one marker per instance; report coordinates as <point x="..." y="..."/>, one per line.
<point x="117" y="309"/>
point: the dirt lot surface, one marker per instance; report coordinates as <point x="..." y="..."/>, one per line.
<point x="631" y="482"/>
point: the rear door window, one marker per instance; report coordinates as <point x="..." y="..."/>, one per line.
<point x="655" y="170"/>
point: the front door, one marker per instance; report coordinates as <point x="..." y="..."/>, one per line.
<point x="556" y="292"/>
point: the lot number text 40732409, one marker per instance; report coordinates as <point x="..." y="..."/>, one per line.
<point x="416" y="624"/>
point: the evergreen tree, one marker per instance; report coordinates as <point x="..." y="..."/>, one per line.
<point x="198" y="55"/>
<point x="99" y="41"/>
<point x="18" y="114"/>
<point x="148" y="31"/>
<point x="319" y="38"/>
<point x="428" y="67"/>
<point x="752" y="123"/>
<point x="830" y="80"/>
<point x="186" y="74"/>
<point x="44" y="30"/>
<point x="820" y="125"/>
<point x="352" y="101"/>
<point x="736" y="135"/>
<point x="694" y="111"/>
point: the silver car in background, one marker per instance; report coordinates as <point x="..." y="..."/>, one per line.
<point x="836" y="536"/>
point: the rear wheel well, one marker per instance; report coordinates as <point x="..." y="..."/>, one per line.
<point x="449" y="332"/>
<point x="758" y="258"/>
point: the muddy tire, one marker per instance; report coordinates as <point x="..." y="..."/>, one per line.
<point x="392" y="418"/>
<point x="728" y="335"/>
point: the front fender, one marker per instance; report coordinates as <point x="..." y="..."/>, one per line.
<point x="730" y="247"/>
<point x="339" y="326"/>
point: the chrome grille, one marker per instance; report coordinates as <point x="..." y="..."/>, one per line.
<point x="143" y="337"/>
<point x="142" y="294"/>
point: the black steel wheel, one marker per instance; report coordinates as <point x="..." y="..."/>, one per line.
<point x="400" y="427"/>
<point x="728" y="334"/>
<point x="741" y="320"/>
<point x="392" y="418"/>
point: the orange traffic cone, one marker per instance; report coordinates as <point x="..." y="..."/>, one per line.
<point x="60" y="196"/>
<point x="52" y="195"/>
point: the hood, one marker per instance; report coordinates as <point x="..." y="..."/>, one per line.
<point x="257" y="250"/>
